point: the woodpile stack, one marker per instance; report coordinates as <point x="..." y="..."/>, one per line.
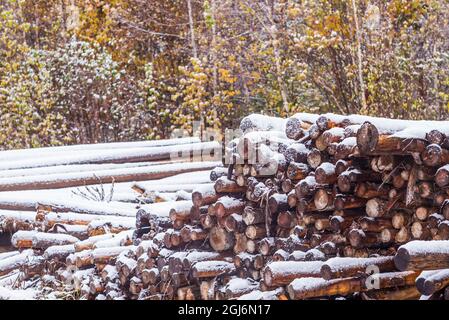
<point x="314" y="206"/>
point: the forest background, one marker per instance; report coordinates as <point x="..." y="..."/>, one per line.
<point x="92" y="71"/>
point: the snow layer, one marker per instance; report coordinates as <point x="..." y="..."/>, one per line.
<point x="105" y="156"/>
<point x="340" y="263"/>
<point x="18" y="294"/>
<point x="26" y="153"/>
<point x="294" y="267"/>
<point x="260" y="122"/>
<point x="417" y="247"/>
<point x="262" y="295"/>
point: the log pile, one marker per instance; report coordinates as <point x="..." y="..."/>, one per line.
<point x="310" y="207"/>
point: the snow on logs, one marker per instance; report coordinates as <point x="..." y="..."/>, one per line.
<point x="332" y="206"/>
<point x="73" y="179"/>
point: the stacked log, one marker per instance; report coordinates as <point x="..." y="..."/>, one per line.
<point x="309" y="207"/>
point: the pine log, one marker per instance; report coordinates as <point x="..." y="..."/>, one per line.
<point x="435" y="155"/>
<point x="283" y="272"/>
<point x="210" y="269"/>
<point x="349" y="267"/>
<point x="220" y="239"/>
<point x="435" y="282"/>
<point x="423" y="255"/>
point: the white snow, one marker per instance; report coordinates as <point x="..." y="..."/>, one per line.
<point x="350" y="142"/>
<point x="262" y="295"/>
<point x="197" y="256"/>
<point x="294" y="267"/>
<point x="327" y="167"/>
<point x="418" y="247"/>
<point x="213" y="265"/>
<point x="341" y="263"/>
<point x="309" y="283"/>
<point x="166" y="169"/>
<point x="238" y="285"/>
<point x="18" y="294"/>
<point x="259" y="122"/>
<point x="107" y="155"/>
<point x="59" y="250"/>
<point x="54" y="151"/>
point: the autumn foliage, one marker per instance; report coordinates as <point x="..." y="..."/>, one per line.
<point x="90" y="71"/>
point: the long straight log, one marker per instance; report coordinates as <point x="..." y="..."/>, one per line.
<point x="423" y="255"/>
<point x="283" y="272"/>
<point x="349" y="267"/>
<point x="315" y="287"/>
<point x="75" y="179"/>
<point x="435" y="282"/>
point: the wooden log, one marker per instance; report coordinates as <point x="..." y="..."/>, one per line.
<point x="286" y="219"/>
<point x="253" y="215"/>
<point x="277" y="203"/>
<point x="204" y="195"/>
<point x="297" y="171"/>
<point x="323" y="200"/>
<point x="425" y="189"/>
<point x="23" y="239"/>
<point x="151" y="172"/>
<point x="370" y="141"/>
<point x="59" y="252"/>
<point x="296" y="152"/>
<point x="358" y="238"/>
<point x="435" y="155"/>
<point x="287" y="185"/>
<point x="220" y="239"/>
<point x="210" y="269"/>
<point x="350" y="267"/>
<point x="234" y="223"/>
<point x="388" y="235"/>
<point x="344" y="202"/>
<point x="332" y="135"/>
<point x="267" y="246"/>
<point x="349" y="178"/>
<point x="342" y="165"/>
<point x="420" y="230"/>
<point x="207" y="221"/>
<point x="376" y="207"/>
<point x="443" y="230"/>
<point x="422" y="255"/>
<point x="339" y="223"/>
<point x="435" y="282"/>
<point x="226" y="206"/>
<point x="315" y="157"/>
<point x="106" y="255"/>
<point x="294" y="128"/>
<point x="325" y="173"/>
<point x="400" y="219"/>
<point x="442" y="176"/>
<point x="404" y="293"/>
<point x="292" y="199"/>
<point x="369" y="224"/>
<point x="422" y="213"/>
<point x="315" y="287"/>
<point x="346" y="148"/>
<point x="14" y="262"/>
<point x="283" y="272"/>
<point x="437" y="137"/>
<point x="224" y="185"/>
<point x="217" y="172"/>
<point x="306" y="187"/>
<point x="90" y="242"/>
<point x="403" y="235"/>
<point x="256" y="231"/>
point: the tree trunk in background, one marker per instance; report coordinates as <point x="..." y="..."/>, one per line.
<point x="192" y="29"/>
<point x="359" y="57"/>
